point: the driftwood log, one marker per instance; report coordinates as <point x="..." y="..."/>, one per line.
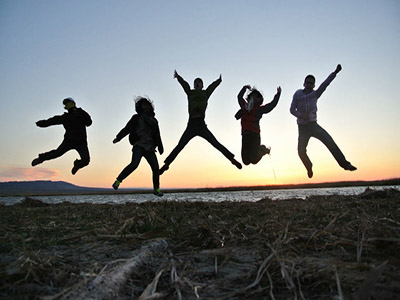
<point x="109" y="284"/>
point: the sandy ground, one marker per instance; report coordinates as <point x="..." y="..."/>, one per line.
<point x="335" y="247"/>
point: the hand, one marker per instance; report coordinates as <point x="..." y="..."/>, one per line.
<point x="247" y="86"/>
<point x="279" y="90"/>
<point x="41" y="123"/>
<point x="161" y="149"/>
<point x="176" y="74"/>
<point x="116" y="140"/>
<point x="338" y="68"/>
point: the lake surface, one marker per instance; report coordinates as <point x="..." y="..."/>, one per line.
<point x="219" y="196"/>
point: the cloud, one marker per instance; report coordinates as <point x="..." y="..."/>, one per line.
<point x="27" y="174"/>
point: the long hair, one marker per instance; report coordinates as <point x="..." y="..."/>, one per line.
<point x="138" y="104"/>
<point x="255" y="92"/>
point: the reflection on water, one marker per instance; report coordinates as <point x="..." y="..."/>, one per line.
<point x="250" y="196"/>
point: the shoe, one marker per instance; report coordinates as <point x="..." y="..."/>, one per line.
<point x="310" y="173"/>
<point x="236" y="163"/>
<point x="36" y="161"/>
<point x="350" y="167"/>
<point x="158" y="193"/>
<point x="164" y="168"/>
<point x="265" y="150"/>
<point x="116" y="185"/>
<point x="74" y="170"/>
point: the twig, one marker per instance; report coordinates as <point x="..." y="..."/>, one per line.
<point x="271" y="286"/>
<point x="340" y="296"/>
<point x="150" y="292"/>
<point x="360" y="246"/>
<point x="260" y="272"/>
<point x="298" y="282"/>
<point x="174" y="278"/>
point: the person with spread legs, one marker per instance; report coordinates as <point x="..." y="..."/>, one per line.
<point x="197" y="105"/>
<point x="75" y="122"/>
<point x="250" y="113"/>
<point x="144" y="136"/>
<point x="304" y="108"/>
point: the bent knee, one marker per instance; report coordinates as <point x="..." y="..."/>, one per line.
<point x="302" y="151"/>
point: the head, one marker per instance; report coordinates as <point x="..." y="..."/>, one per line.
<point x="309" y="83"/>
<point x="69" y="103"/>
<point x="257" y="97"/>
<point x="144" y="105"/>
<point x="198" y="84"/>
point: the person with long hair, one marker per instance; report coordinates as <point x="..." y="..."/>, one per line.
<point x="250" y="114"/>
<point x="144" y="136"/>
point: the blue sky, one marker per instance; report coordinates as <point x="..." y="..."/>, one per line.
<point x="103" y="53"/>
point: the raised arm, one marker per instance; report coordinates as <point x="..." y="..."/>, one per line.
<point x="270" y="106"/>
<point x="210" y="89"/>
<point x="240" y="96"/>
<point x="328" y="81"/>
<point x="184" y="84"/>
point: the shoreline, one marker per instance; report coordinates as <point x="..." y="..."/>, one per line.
<point x="105" y="191"/>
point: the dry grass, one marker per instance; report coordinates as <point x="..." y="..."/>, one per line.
<point x="331" y="247"/>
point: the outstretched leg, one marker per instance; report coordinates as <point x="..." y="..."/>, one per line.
<point x="187" y="135"/>
<point x="328" y="141"/>
<point x="207" y="135"/>
<point x="61" y="150"/>
<point x="137" y="153"/>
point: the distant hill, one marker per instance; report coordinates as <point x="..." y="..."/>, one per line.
<point x="43" y="187"/>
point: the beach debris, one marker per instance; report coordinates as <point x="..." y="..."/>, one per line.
<point x="323" y="247"/>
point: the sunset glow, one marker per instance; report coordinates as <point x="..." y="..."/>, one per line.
<point x="103" y="56"/>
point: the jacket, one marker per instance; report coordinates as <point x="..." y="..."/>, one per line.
<point x="306" y="104"/>
<point x="74" y="121"/>
<point x="198" y="99"/>
<point x="131" y="129"/>
<point x="250" y="120"/>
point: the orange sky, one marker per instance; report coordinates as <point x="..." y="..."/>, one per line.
<point x="104" y="57"/>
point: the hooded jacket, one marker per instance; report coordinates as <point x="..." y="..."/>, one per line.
<point x="306" y="104"/>
<point x="132" y="126"/>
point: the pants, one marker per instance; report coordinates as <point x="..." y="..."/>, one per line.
<point x="197" y="127"/>
<point x="251" y="148"/>
<point x="137" y="153"/>
<point x="81" y="148"/>
<point x="314" y="130"/>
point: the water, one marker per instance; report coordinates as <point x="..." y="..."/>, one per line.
<point x="250" y="196"/>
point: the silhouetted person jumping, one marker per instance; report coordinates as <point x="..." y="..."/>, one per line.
<point x="250" y="113"/>
<point x="197" y="105"/>
<point x="144" y="136"/>
<point x="75" y="122"/>
<point x="304" y="107"/>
